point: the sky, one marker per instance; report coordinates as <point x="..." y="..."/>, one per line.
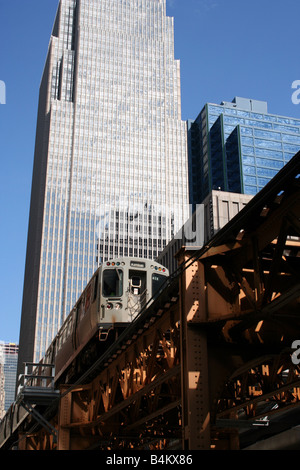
<point x="226" y="48"/>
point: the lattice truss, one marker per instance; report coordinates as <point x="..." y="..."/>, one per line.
<point x="134" y="402"/>
<point x="217" y="359"/>
<point x="244" y="293"/>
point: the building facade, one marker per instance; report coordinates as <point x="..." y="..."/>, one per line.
<point x="238" y="147"/>
<point x="216" y="210"/>
<point x="8" y="374"/>
<point x="110" y="167"/>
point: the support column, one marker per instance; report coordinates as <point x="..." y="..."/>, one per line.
<point x="64" y="419"/>
<point x="194" y="360"/>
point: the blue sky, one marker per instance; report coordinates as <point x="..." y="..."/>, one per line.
<point x="226" y="48"/>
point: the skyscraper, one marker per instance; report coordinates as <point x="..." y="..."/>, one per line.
<point x="238" y="147"/>
<point x="110" y="165"/>
<point x="8" y="374"/>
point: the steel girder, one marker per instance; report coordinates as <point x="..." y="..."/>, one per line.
<point x="211" y="367"/>
<point x="241" y="300"/>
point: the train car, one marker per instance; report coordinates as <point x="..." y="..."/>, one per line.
<point x="114" y="296"/>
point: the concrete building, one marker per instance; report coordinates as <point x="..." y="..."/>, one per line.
<point x="217" y="209"/>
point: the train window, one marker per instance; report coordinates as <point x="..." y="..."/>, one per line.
<point x="157" y="282"/>
<point x="137" y="282"/>
<point x="69" y="325"/>
<point x="87" y="297"/>
<point x="80" y="309"/>
<point x="112" y="283"/>
<point x="95" y="288"/>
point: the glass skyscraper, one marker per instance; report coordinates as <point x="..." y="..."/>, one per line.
<point x="238" y="147"/>
<point x="110" y="168"/>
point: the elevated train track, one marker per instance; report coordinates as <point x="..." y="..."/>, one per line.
<point x="208" y="364"/>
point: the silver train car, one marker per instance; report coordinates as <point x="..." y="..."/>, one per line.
<point x="114" y="296"/>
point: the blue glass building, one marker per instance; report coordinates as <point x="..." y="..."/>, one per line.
<point x="238" y="147"/>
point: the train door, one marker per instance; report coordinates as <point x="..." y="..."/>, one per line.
<point x="137" y="292"/>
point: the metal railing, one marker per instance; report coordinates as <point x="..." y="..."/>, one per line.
<point x="38" y="379"/>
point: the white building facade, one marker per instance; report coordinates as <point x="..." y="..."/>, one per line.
<point x="8" y="374"/>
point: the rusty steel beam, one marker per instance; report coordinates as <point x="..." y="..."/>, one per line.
<point x="208" y="365"/>
<point x="134" y="400"/>
<point x="194" y="359"/>
<point x="241" y="304"/>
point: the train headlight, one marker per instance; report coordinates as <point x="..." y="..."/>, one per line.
<point x="118" y="306"/>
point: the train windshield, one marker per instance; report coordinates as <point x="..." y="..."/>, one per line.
<point x="112" y="283"/>
<point x="157" y="282"/>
